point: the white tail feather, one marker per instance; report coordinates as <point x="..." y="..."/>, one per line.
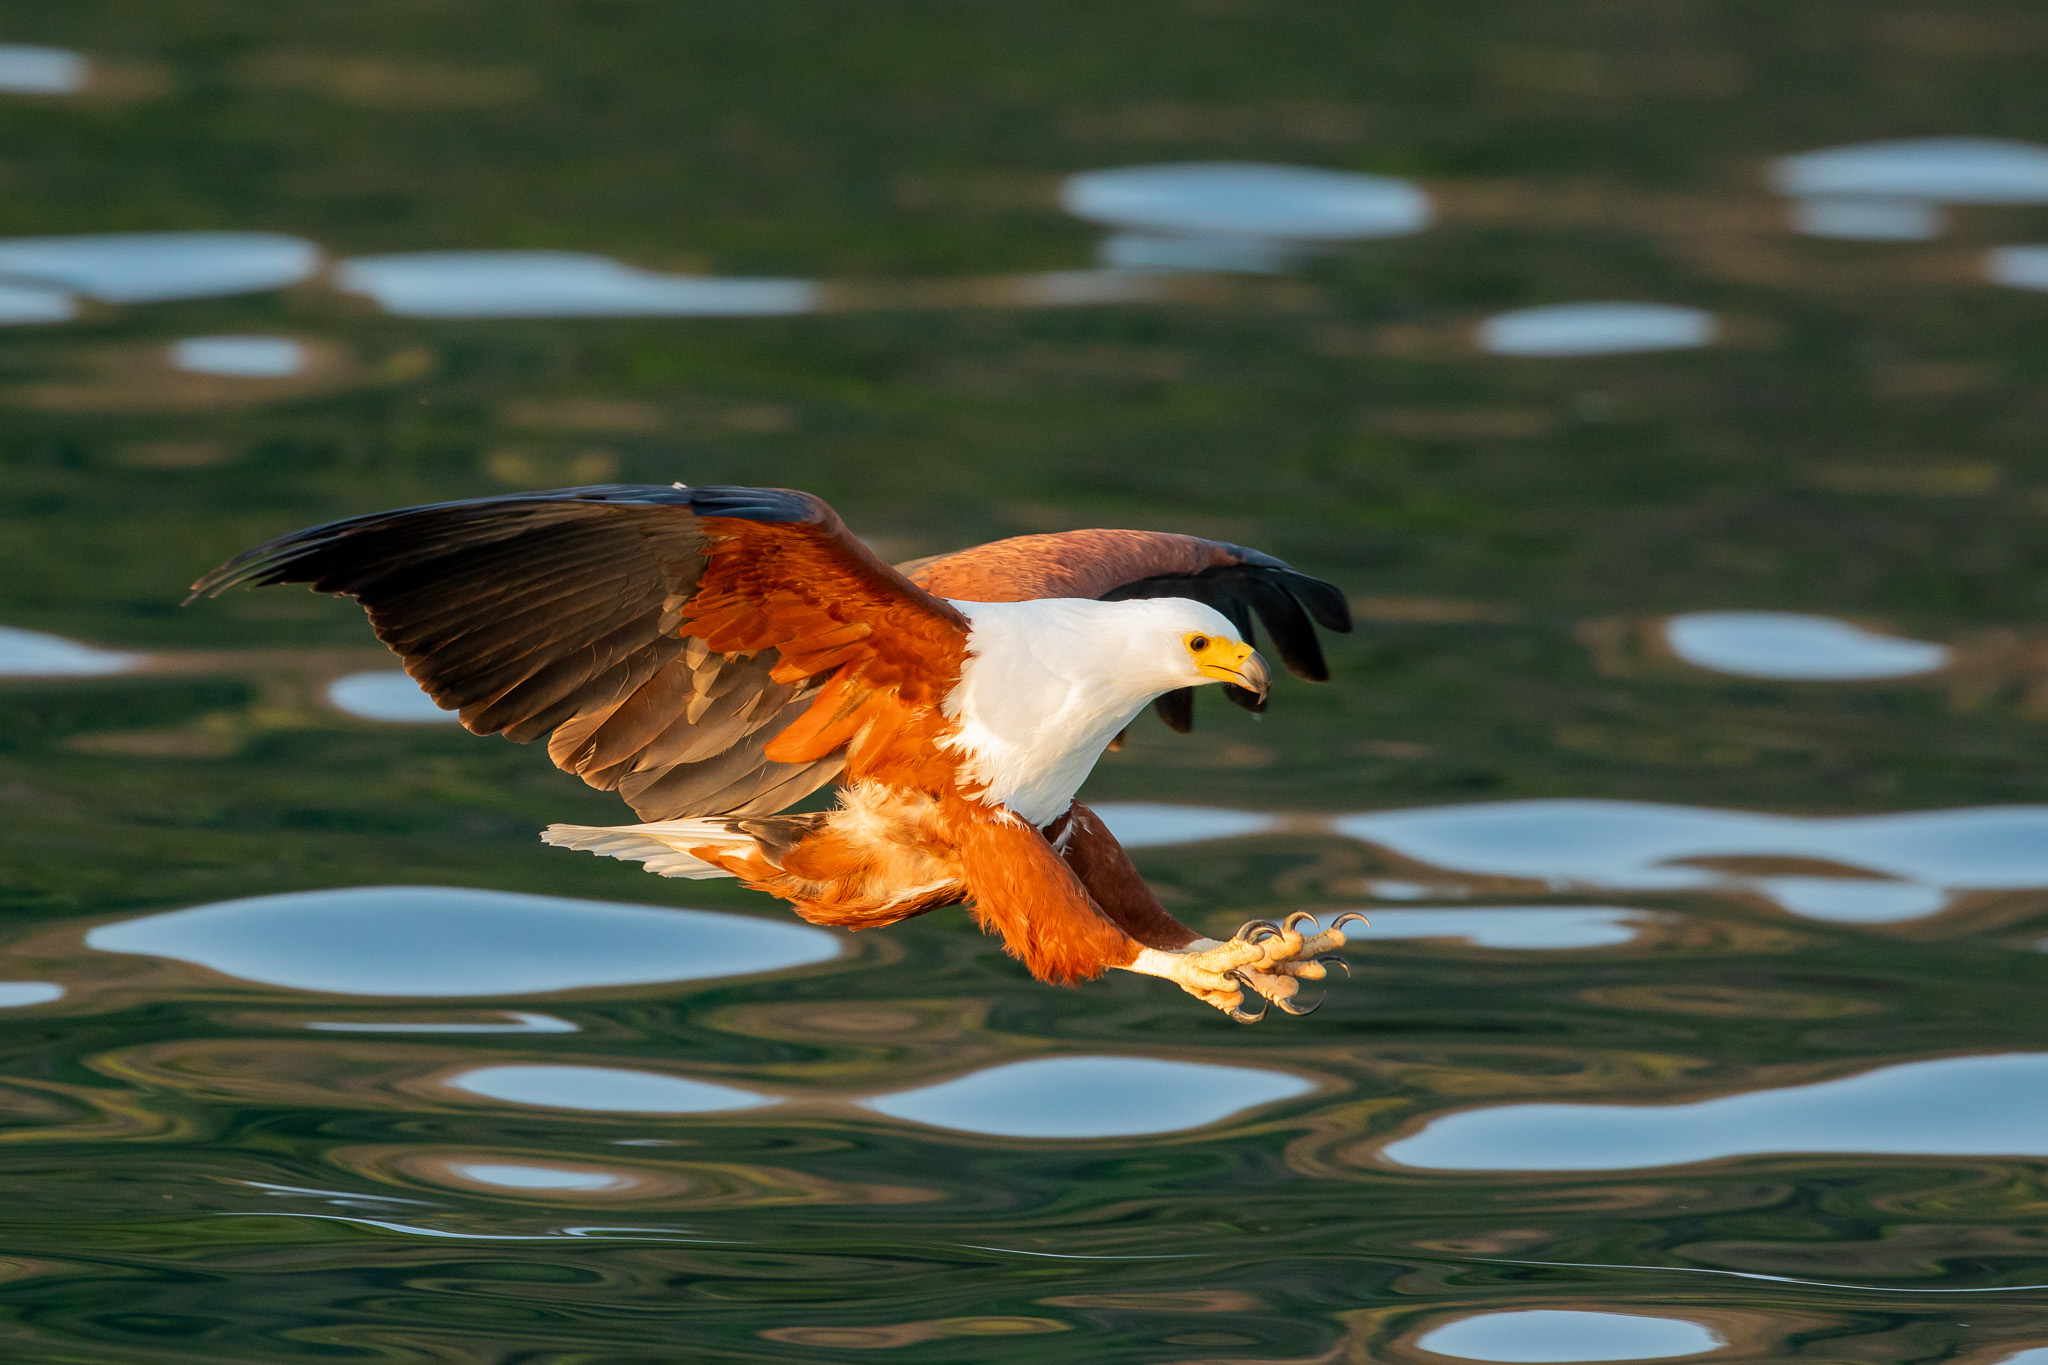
<point x="661" y="845"/>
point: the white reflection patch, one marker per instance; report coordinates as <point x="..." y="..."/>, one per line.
<point x="451" y="941"/>
<point x="1520" y="926"/>
<point x="1570" y="329"/>
<point x="148" y="267"/>
<point x="514" y="1177"/>
<point x="26" y="70"/>
<point x="1554" y="1334"/>
<point x="1089" y="1097"/>
<point x="1140" y="825"/>
<point x="1236" y="216"/>
<point x="2022" y="267"/>
<point x="1143" y="251"/>
<point x="603" y="1089"/>
<point x="23" y="303"/>
<point x="387" y="694"/>
<point x="16" y="994"/>
<point x="1893" y="191"/>
<point x="32" y="654"/>
<point x="519" y="1022"/>
<point x="240" y="357"/>
<point x="1786" y="645"/>
<point x="1248" y="199"/>
<point x="558" y="284"/>
<point x="1640" y="844"/>
<point x="1911" y="862"/>
<point x="1868" y="220"/>
<point x="1955" y="1106"/>
<point x="1853" y="900"/>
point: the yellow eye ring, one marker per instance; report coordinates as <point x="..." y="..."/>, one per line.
<point x="1198" y="643"/>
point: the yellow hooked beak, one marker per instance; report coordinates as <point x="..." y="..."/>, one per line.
<point x="1230" y="661"/>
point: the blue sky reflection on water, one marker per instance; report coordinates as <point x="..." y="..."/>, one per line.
<point x="449" y="941"/>
<point x="1895" y="191"/>
<point x="252" y="357"/>
<point x="2022" y="267"/>
<point x="386" y="694"/>
<point x="30" y="69"/>
<point x="1516" y="927"/>
<point x="603" y="1089"/>
<point x="1954" y="1106"/>
<point x="152" y="267"/>
<point x="1089" y="1097"/>
<point x="1237" y="217"/>
<point x="35" y="654"/>
<point x="1580" y="329"/>
<point x="1552" y="1334"/>
<point x="1643" y="844"/>
<point x="1775" y="644"/>
<point x="557" y="284"/>
<point x="520" y="1177"/>
<point x="22" y="303"/>
<point x="1883" y="868"/>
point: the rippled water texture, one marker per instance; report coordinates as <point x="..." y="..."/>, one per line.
<point x="1661" y="384"/>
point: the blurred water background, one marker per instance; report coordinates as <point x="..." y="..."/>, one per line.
<point x="1663" y="381"/>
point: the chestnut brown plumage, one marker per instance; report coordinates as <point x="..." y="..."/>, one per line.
<point x="715" y="654"/>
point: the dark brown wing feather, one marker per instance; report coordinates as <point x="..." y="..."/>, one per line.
<point x="561" y="610"/>
<point x="1116" y="565"/>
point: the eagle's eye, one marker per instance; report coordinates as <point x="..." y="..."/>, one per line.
<point x="1198" y="643"/>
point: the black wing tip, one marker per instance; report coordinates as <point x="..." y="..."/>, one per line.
<point x="1323" y="599"/>
<point x="1246" y="698"/>
<point x="212" y="583"/>
<point x="249" y="567"/>
<point x="1177" y="709"/>
<point x="211" y="586"/>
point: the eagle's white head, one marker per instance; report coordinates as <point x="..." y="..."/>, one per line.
<point x="1164" y="643"/>
<point x="1048" y="684"/>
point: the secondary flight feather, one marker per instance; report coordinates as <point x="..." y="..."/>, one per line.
<point x="716" y="654"/>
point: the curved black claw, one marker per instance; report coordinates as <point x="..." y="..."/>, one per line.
<point x="1347" y="917"/>
<point x="1332" y="958"/>
<point x="1303" y="915"/>
<point x="1264" y="928"/>
<point x="1239" y="1013"/>
<point x="1287" y="1006"/>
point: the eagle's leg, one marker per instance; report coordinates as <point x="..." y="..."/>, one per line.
<point x="1272" y="960"/>
<point x="1102" y="866"/>
<point x="1024" y="892"/>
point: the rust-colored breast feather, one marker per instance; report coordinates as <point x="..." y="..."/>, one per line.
<point x="1066" y="564"/>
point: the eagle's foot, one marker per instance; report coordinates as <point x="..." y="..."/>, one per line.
<point x="1313" y="946"/>
<point x="1264" y="959"/>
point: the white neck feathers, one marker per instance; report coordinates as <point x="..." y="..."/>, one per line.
<point x="1049" y="683"/>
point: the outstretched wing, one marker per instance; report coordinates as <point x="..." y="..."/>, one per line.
<point x="1114" y="565"/>
<point x="671" y="638"/>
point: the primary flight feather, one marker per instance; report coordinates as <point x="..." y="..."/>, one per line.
<point x="715" y="654"/>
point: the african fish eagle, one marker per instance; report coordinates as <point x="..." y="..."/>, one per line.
<point x="715" y="654"/>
